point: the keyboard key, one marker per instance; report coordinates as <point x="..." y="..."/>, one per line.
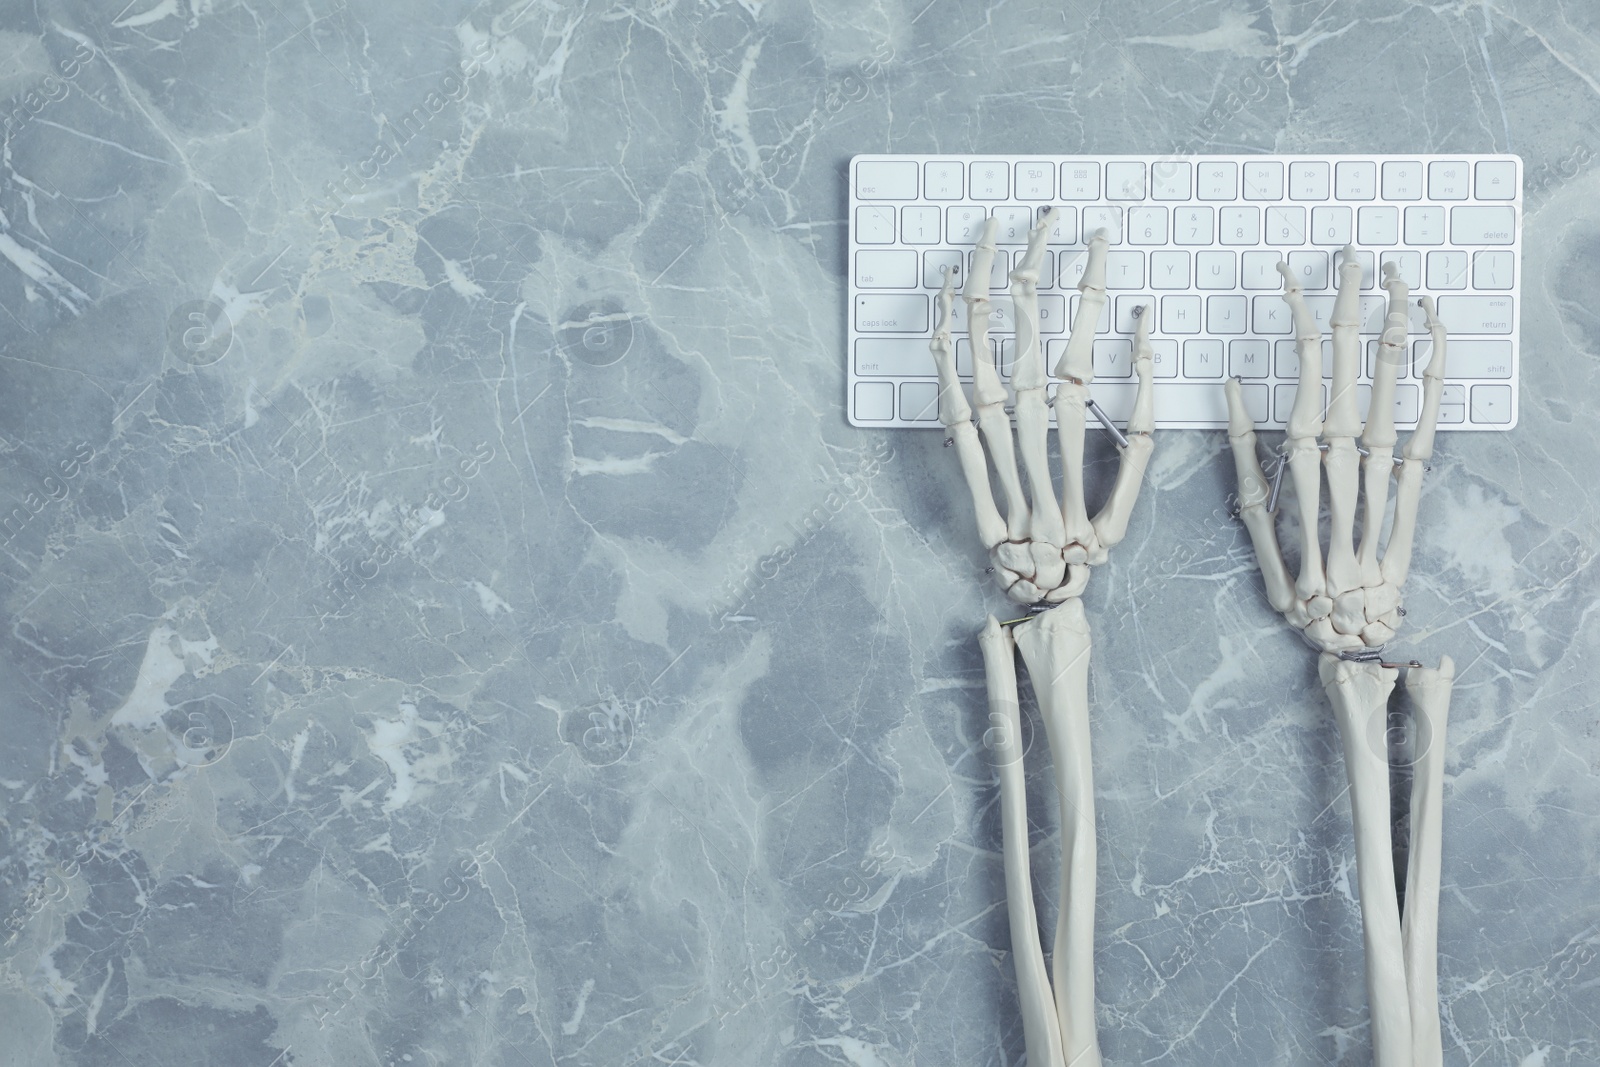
<point x="1169" y="180"/>
<point x="989" y="180"/>
<point x="1447" y="270"/>
<point x="1406" y="402"/>
<point x="875" y="401"/>
<point x="1047" y="271"/>
<point x="1453" y="405"/>
<point x="1491" y="404"/>
<point x="1202" y="358"/>
<point x="964" y="355"/>
<point x="1241" y="226"/>
<point x="1272" y="315"/>
<point x="1447" y="179"/>
<point x="1247" y="358"/>
<point x="934" y="264"/>
<point x="919" y="225"/>
<point x="1371" y="362"/>
<point x="1215" y="269"/>
<point x="1286" y="225"/>
<point x="1052" y="313"/>
<point x="1036" y="181"/>
<point x="1469" y="358"/>
<point x="1263" y="180"/>
<point x="1169" y="270"/>
<point x="1491" y="270"/>
<point x="1494" y="225"/>
<point x="1125" y="181"/>
<point x="890" y="269"/>
<point x="1287" y="358"/>
<point x="1476" y="313"/>
<point x="1014" y="225"/>
<point x="875" y="225"/>
<point x="1425" y="225"/>
<point x="1283" y="400"/>
<point x="1308" y="180"/>
<point x="1128" y="308"/>
<point x="1330" y="226"/>
<point x="1113" y="357"/>
<point x="963" y="225"/>
<point x="943" y="180"/>
<point x="1080" y="181"/>
<point x="998" y="282"/>
<point x="1226" y="314"/>
<point x="1064" y="230"/>
<point x="1378" y="226"/>
<point x="1107" y="217"/>
<point x="919" y="401"/>
<point x="1409" y="265"/>
<point x="1311" y="268"/>
<point x="1124" y="270"/>
<point x="1180" y="314"/>
<point x="1071" y="267"/>
<point x="897" y="313"/>
<point x="884" y="180"/>
<point x="898" y="357"/>
<point x="1355" y="180"/>
<point x="1497" y="180"/>
<point x="1191" y="225"/>
<point x="1218" y="181"/>
<point x="1163" y="357"/>
<point x="1402" y="180"/>
<point x="1261" y="270"/>
<point x="1366" y="259"/>
<point x="1147" y="225"/>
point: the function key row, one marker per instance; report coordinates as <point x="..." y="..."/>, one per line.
<point x="1334" y="225"/>
<point x="1178" y="179"/>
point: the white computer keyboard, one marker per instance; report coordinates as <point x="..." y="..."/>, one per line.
<point x="1199" y="238"/>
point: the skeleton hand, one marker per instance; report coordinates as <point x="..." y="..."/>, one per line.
<point x="1041" y="553"/>
<point x="1348" y="610"/>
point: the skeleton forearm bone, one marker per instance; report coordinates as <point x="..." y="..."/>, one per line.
<point x="1348" y="611"/>
<point x="1041" y="551"/>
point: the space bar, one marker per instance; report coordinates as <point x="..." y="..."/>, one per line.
<point x="1179" y="401"/>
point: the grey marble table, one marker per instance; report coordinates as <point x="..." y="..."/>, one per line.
<point x="447" y="619"/>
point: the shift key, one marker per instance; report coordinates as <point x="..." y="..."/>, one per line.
<point x="1479" y="313"/>
<point x="1469" y="359"/>
<point x="896" y="313"/>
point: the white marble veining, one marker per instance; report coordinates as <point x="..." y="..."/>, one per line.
<point x="448" y="620"/>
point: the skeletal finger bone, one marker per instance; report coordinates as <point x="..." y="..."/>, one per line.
<point x="1076" y="371"/>
<point x="1418" y="450"/>
<point x="1344" y="421"/>
<point x="1360" y="694"/>
<point x="987" y="392"/>
<point x="1055" y="647"/>
<point x="1041" y="1028"/>
<point x="1379" y="436"/>
<point x="1253" y="495"/>
<point x="956" y="416"/>
<point x="1033" y="418"/>
<point x="1429" y="691"/>
<point x="1111" y="524"/>
<point x="1305" y="458"/>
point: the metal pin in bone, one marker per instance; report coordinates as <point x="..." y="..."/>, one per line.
<point x="1105" y="420"/>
